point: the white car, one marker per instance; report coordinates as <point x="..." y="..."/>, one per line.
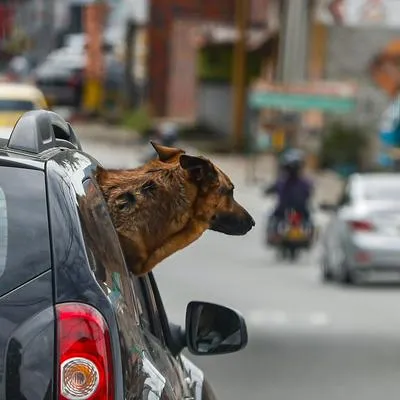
<point x="363" y="234"/>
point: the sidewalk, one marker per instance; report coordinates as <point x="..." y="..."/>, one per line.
<point x="105" y="133"/>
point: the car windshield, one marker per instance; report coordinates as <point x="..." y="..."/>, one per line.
<point x="16" y="105"/>
<point x="382" y="189"/>
<point x="24" y="231"/>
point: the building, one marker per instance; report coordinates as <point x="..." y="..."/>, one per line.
<point x="169" y="27"/>
<point x="173" y="49"/>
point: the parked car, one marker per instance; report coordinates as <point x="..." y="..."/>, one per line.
<point x="60" y="77"/>
<point x="15" y="100"/>
<point x="363" y="235"/>
<point x="75" y="42"/>
<point x="75" y="324"/>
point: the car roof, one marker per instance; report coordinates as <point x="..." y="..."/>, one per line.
<point x="366" y="178"/>
<point x="37" y="137"/>
<point x="360" y="183"/>
<point x="10" y="158"/>
<point x="19" y="91"/>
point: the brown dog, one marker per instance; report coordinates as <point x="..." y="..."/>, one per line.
<point x="168" y="203"/>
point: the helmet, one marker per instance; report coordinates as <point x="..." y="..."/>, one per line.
<point x="293" y="160"/>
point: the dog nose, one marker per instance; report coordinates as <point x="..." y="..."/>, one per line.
<point x="250" y="219"/>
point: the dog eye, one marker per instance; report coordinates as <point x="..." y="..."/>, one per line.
<point x="148" y="186"/>
<point x="125" y="200"/>
<point x="226" y="191"/>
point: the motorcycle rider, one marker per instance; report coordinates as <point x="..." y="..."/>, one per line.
<point x="294" y="191"/>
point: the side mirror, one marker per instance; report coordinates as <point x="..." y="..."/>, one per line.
<point x="328" y="207"/>
<point x="213" y="329"/>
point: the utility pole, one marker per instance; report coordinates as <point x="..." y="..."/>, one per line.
<point x="294" y="41"/>
<point x="130" y="44"/>
<point x="239" y="73"/>
<point x="94" y="15"/>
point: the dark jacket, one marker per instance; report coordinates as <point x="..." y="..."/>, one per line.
<point x="292" y="192"/>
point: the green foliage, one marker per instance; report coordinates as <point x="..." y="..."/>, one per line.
<point x="343" y="145"/>
<point x="139" y="120"/>
<point x="215" y="63"/>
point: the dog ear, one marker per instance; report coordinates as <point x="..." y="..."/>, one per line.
<point x="199" y="168"/>
<point x="125" y="200"/>
<point x="166" y="153"/>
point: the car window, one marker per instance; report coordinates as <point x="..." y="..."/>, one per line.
<point x="346" y="197"/>
<point x="102" y="246"/>
<point x="24" y="232"/>
<point x="16" y="105"/>
<point x="381" y="189"/>
<point x="106" y="257"/>
<point x="145" y="295"/>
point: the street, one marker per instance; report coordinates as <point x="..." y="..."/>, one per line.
<point x="307" y="340"/>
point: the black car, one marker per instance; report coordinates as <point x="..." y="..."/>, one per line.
<point x="61" y="80"/>
<point x="75" y="324"/>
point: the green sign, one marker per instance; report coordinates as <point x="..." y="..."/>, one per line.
<point x="301" y="102"/>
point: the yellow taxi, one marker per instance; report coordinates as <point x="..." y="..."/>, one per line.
<point x="16" y="99"/>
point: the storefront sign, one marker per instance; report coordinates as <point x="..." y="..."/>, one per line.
<point x="321" y="96"/>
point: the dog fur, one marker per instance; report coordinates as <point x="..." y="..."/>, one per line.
<point x="168" y="203"/>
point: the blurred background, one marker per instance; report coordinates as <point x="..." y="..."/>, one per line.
<point x="241" y="81"/>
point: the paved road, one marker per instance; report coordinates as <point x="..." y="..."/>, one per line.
<point x="306" y="340"/>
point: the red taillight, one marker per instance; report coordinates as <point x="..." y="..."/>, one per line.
<point x="363" y="226"/>
<point x="84" y="354"/>
<point x="294" y="218"/>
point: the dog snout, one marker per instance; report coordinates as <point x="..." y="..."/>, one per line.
<point x="250" y="219"/>
<point x="236" y="222"/>
<point x="247" y="223"/>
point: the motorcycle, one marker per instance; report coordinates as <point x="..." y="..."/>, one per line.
<point x="291" y="234"/>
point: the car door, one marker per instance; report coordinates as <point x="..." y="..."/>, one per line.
<point x="144" y="378"/>
<point x="155" y="334"/>
<point x="192" y="377"/>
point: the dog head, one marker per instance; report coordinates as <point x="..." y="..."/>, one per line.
<point x="215" y="200"/>
<point x="166" y="204"/>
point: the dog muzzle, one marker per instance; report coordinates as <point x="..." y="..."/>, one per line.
<point x="232" y="224"/>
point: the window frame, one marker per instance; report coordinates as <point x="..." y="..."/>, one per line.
<point x="163" y="317"/>
<point x="131" y="294"/>
<point x="144" y="285"/>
